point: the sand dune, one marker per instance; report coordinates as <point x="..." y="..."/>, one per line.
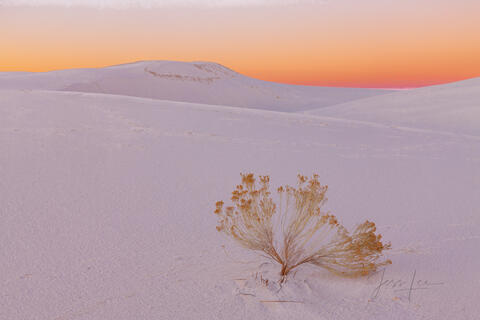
<point x="200" y="82"/>
<point x="107" y="211"/>
<point x="453" y="107"/>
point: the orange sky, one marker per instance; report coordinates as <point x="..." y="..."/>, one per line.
<point x="368" y="43"/>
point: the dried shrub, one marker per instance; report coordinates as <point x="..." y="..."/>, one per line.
<point x="296" y="232"/>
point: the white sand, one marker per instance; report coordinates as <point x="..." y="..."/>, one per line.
<point x="453" y="107"/>
<point x="106" y="210"/>
<point x="198" y="82"/>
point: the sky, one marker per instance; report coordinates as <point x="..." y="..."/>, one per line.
<point x="348" y="43"/>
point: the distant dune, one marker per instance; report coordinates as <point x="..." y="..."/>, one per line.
<point x="198" y="82"/>
<point x="453" y="107"/>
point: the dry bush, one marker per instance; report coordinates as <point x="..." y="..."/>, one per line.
<point x="296" y="232"/>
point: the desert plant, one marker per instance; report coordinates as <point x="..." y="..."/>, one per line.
<point x="296" y="232"/>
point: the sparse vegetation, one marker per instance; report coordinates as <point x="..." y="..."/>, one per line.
<point x="295" y="231"/>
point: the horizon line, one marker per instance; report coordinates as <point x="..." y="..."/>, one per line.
<point x="299" y="83"/>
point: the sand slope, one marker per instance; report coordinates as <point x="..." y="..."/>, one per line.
<point x="454" y="107"/>
<point x="106" y="211"/>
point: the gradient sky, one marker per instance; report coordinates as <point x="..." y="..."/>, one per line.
<point x="360" y="43"/>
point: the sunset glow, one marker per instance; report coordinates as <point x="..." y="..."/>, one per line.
<point x="372" y="43"/>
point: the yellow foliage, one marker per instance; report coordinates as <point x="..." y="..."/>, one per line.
<point x="301" y="233"/>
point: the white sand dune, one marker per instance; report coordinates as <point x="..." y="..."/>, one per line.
<point x="106" y="208"/>
<point x="199" y="82"/>
<point x="454" y="107"/>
